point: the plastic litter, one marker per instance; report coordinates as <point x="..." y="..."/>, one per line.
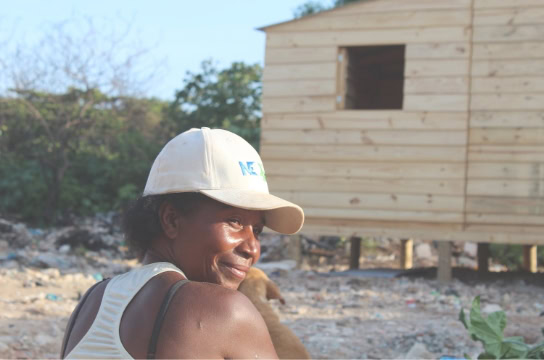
<point x="53" y="297"/>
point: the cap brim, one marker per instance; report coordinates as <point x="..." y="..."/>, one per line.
<point x="280" y="215"/>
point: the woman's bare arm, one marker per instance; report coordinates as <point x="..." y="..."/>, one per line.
<point x="209" y="321"/>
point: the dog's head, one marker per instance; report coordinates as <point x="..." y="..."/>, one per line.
<point x="258" y="284"/>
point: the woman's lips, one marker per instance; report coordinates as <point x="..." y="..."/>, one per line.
<point x="238" y="271"/>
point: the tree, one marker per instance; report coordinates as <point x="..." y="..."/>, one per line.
<point x="228" y="99"/>
<point x="62" y="97"/>
<point x="313" y="7"/>
<point x="309" y="8"/>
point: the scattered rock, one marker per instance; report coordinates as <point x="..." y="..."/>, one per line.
<point x="16" y="235"/>
<point x="491" y="308"/>
<point x="470" y="249"/>
<point x="423" y="250"/>
<point x="419" y="351"/>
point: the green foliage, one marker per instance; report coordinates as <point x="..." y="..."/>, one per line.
<point x="82" y="152"/>
<point x="489" y="331"/>
<point x="309" y="8"/>
<point x="227" y="99"/>
<point x="313" y="7"/>
<point x="511" y="256"/>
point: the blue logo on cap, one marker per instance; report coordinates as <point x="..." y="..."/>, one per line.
<point x="248" y="168"/>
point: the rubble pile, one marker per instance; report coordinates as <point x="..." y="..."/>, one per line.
<point x="336" y="314"/>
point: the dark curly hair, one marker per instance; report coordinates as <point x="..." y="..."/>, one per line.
<point x="141" y="223"/>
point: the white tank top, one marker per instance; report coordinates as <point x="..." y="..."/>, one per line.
<point x="103" y="339"/>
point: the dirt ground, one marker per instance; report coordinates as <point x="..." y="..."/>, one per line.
<point x="336" y="314"/>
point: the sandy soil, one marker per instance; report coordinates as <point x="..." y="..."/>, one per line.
<point x="336" y="315"/>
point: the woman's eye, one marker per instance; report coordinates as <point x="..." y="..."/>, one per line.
<point x="257" y="231"/>
<point x="235" y="221"/>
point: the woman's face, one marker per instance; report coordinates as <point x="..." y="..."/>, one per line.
<point x="218" y="243"/>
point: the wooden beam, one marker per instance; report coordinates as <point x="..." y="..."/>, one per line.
<point x="483" y="257"/>
<point x="355" y="252"/>
<point x="444" y="262"/>
<point x="406" y="253"/>
<point x="295" y="249"/>
<point x="530" y="258"/>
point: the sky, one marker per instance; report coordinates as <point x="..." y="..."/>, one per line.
<point x="180" y="33"/>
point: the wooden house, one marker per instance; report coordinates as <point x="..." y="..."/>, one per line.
<point x="411" y="119"/>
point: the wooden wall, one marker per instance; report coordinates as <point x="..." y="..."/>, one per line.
<point x="506" y="144"/>
<point x="404" y="172"/>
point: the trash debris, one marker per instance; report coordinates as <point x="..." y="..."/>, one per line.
<point x="53" y="297"/>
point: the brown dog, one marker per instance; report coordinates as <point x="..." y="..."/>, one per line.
<point x="259" y="289"/>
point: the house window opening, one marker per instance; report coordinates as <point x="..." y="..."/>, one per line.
<point x="374" y="77"/>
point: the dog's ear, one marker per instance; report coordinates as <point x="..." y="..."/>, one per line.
<point x="273" y="292"/>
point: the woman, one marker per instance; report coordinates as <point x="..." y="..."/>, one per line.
<point x="197" y="224"/>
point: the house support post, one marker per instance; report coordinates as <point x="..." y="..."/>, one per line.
<point x="355" y="252"/>
<point x="444" y="262"/>
<point x="406" y="253"/>
<point x="530" y="258"/>
<point x="483" y="257"/>
<point x="294" y="249"/>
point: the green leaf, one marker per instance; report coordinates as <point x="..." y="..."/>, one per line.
<point x="536" y="352"/>
<point x="489" y="333"/>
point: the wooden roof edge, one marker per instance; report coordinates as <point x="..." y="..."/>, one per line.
<point x="264" y="28"/>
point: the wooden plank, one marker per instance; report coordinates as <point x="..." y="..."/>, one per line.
<point x="530" y="260"/>
<point x="367" y="120"/>
<point x="505" y="219"/>
<point x="495" y="4"/>
<point x="521" y="50"/>
<point x="353" y="184"/>
<point x="524" y="171"/>
<point x="298" y="104"/>
<point x="392" y="19"/>
<point x="529" y="230"/>
<point x="505" y="205"/>
<point x="506" y="153"/>
<point x="503" y="136"/>
<point x="519" y="16"/>
<point x="445" y="217"/>
<point x="436" y="85"/>
<point x="349" y="227"/>
<point x="500" y="68"/>
<point x="508" y="33"/>
<point x="507" y="119"/>
<point x="274" y="56"/>
<point x="404" y="170"/>
<point x="354" y="252"/>
<point x="444" y="262"/>
<point x="483" y="257"/>
<point x="365" y="137"/>
<point x="527" y="101"/>
<point x="433" y="68"/>
<point x="401" y="5"/>
<point x="300" y="72"/>
<point x="367" y="37"/>
<point x="387" y="201"/>
<point x="447" y="50"/>
<point x="426" y="102"/>
<point x="524" y="84"/>
<point x="515" y="188"/>
<point x="406" y="253"/>
<point x="364" y="153"/>
<point x="298" y="88"/>
<point x="342" y="87"/>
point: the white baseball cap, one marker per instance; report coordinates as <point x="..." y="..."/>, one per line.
<point x="224" y="167"/>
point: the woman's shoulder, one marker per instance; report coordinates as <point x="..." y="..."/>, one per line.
<point x="204" y="311"/>
<point x="213" y="299"/>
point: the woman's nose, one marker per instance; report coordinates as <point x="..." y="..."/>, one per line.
<point x="250" y="247"/>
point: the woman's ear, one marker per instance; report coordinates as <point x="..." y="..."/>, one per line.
<point x="170" y="220"/>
